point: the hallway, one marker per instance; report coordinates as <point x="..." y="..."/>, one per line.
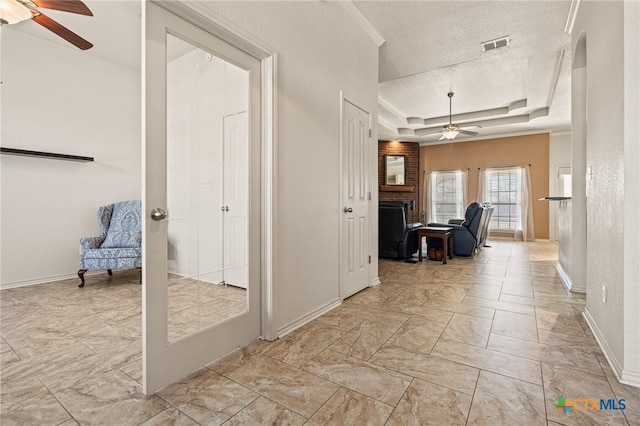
<point x="492" y="339"/>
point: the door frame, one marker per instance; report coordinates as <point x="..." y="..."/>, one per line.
<point x="346" y="98"/>
<point x="200" y="16"/>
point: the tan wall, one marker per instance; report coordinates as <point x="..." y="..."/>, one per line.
<point x="510" y="151"/>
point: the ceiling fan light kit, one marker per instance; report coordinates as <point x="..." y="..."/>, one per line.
<point x="15" y="11"/>
<point x="450" y="131"/>
<point x="12" y="12"/>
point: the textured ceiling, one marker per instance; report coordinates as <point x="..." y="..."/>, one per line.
<point x="433" y="47"/>
<point x="114" y="29"/>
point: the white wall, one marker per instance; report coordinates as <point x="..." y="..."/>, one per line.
<point x="612" y="192"/>
<point x="60" y="99"/>
<point x="321" y="51"/>
<point x="559" y="155"/>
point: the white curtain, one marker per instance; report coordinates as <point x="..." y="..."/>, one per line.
<point x="429" y="206"/>
<point x="483" y="197"/>
<point x="464" y="177"/>
<point x="524" y="222"/>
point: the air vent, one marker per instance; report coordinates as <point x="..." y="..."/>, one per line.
<point x="495" y="44"/>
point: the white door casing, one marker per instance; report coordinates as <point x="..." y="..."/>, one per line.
<point x="355" y="190"/>
<point x="163" y="362"/>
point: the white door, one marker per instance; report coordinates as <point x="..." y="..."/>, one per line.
<point x="194" y="183"/>
<point x="235" y="200"/>
<point x="355" y="200"/>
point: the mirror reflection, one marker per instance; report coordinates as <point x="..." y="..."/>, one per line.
<point x="207" y="188"/>
<point x="394" y="169"/>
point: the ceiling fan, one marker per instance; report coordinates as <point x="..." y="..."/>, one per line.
<point x="14" y="11"/>
<point x="450" y="131"/>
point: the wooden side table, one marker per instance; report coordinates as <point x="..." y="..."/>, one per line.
<point x="445" y="233"/>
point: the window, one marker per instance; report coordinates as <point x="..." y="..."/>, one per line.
<point x="447" y="195"/>
<point x="504" y="194"/>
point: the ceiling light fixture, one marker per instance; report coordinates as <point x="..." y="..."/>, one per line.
<point x="450" y="132"/>
<point x="12" y="12"/>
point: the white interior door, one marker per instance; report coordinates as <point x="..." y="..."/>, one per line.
<point x="195" y="85"/>
<point x="236" y="206"/>
<point x="355" y="200"/>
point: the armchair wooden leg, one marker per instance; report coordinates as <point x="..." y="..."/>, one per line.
<point x="140" y="269"/>
<point x="109" y="272"/>
<point x="81" y="275"/>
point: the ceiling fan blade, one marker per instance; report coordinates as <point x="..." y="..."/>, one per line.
<point x="71" y="6"/>
<point x="62" y="31"/>
<point x="469" y="133"/>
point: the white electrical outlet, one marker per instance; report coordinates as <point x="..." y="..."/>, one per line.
<point x="604" y="294"/>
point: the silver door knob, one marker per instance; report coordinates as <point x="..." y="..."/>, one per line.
<point x="158" y="214"/>
<point x="348" y="210"/>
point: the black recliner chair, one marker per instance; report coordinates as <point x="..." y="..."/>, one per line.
<point x="396" y="238"/>
<point x="467" y="234"/>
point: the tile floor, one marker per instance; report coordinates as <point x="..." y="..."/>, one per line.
<point x="492" y="340"/>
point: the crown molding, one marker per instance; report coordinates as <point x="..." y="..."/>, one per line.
<point x="571" y="17"/>
<point x="367" y="26"/>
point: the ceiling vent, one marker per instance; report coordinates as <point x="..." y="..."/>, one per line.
<point x="495" y="44"/>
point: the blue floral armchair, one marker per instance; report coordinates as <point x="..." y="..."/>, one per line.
<point x="119" y="245"/>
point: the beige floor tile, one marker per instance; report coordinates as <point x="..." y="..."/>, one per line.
<point x="562" y="323"/>
<point x="515" y="325"/>
<point x="240" y="357"/>
<point x="299" y="347"/>
<point x="207" y="397"/>
<point x="572" y="384"/>
<point x="461" y="308"/>
<point x="630" y="394"/>
<point x="428" y="404"/>
<point x="485" y="291"/>
<point x="104" y="399"/>
<point x="583" y="344"/>
<point x="346" y="407"/>
<point x="46" y="363"/>
<point x="290" y="387"/>
<point x="348" y="316"/>
<point x="73" y="373"/>
<point x="558" y="356"/>
<point x="133" y="370"/>
<point x="501" y="400"/>
<point x="170" y="416"/>
<point x="369" y="379"/>
<point x="414" y="297"/>
<point x="29" y="343"/>
<point x="418" y="334"/>
<point x="546" y="304"/>
<point x="28" y="402"/>
<point x="450" y="294"/>
<point x="523" y="290"/>
<point x="265" y="412"/>
<point x="452" y="375"/>
<point x="467" y="329"/>
<point x="364" y="339"/>
<point x="428" y="313"/>
<point x="490" y="360"/>
<point x="500" y="305"/>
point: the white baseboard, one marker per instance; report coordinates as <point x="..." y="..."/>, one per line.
<point x="54" y="278"/>
<point x="299" y="322"/>
<point x="566" y="281"/>
<point x="604" y="346"/>
<point x="375" y="282"/>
